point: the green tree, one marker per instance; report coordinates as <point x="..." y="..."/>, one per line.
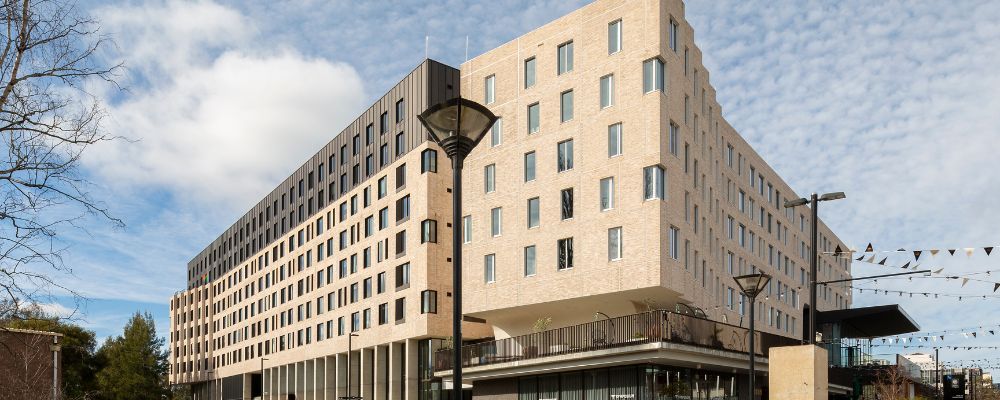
<point x="134" y="363"/>
<point x="79" y="361"/>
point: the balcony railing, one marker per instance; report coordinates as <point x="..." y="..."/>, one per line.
<point x="649" y="327"/>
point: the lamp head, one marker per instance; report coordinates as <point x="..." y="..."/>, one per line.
<point x="832" y="196"/>
<point x="795" y="203"/>
<point x="457" y="125"/>
<point x="753" y="284"/>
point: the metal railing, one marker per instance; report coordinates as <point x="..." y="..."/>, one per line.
<point x="657" y="326"/>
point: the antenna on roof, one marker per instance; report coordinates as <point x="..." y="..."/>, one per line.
<point x="466" y="48"/>
<point x="427" y="45"/>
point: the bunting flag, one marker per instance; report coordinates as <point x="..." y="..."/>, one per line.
<point x="951" y="251"/>
<point x="869" y="249"/>
<point x="969" y="251"/>
<point x="964" y="281"/>
<point x="934" y="252"/>
<point x="916" y="254"/>
<point x="995" y="287"/>
<point x="988" y="250"/>
<point x="883" y="261"/>
<point x="906" y="265"/>
<point x="837" y="251"/>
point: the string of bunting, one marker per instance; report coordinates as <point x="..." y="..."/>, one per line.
<point x="965" y="278"/>
<point x="969" y="251"/>
<point x="988" y="328"/>
<point x="959" y="296"/>
<point x="919" y="346"/>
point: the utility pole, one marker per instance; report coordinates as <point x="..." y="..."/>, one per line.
<point x="937" y="373"/>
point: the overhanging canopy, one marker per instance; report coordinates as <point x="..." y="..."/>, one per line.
<point x="869" y="322"/>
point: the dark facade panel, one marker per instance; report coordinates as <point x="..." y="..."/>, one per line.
<point x="287" y="206"/>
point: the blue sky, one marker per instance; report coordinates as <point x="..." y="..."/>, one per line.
<point x="893" y="103"/>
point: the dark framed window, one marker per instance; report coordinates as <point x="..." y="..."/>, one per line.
<point x="428" y="231"/>
<point x="428" y="302"/>
<point x="428" y="161"/>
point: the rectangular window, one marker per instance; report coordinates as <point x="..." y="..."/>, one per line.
<point x="533" y="211"/>
<point x="490" y="89"/>
<point x="533" y="118"/>
<point x="675" y="133"/>
<point x="384" y="152"/>
<point x="400" y="110"/>
<point x="564" y="252"/>
<point x="566" y="106"/>
<point x="356" y="144"/>
<point x="402" y="276"/>
<point x="380" y="283"/>
<point x="429" y="302"/>
<point x="467" y="229"/>
<point x="428" y="161"/>
<point x="615" y="140"/>
<point x="400" y="144"/>
<point x="653" y="183"/>
<point x="400" y="310"/>
<point x="383" y="187"/>
<point x="529" y="166"/>
<point x="673" y="34"/>
<point x="400" y="176"/>
<point x="403" y="208"/>
<point x="652" y="75"/>
<point x="565" y="56"/>
<point x="607" y="91"/>
<point x="384" y="122"/>
<point x="489" y="268"/>
<point x="675" y="236"/>
<point x="496" y="221"/>
<point x="489" y="178"/>
<point x="615" y="243"/>
<point x="529" y="72"/>
<point x="383" y="313"/>
<point x="529" y="261"/>
<point x="369" y="134"/>
<point x="607" y="193"/>
<point x="615" y="37"/>
<point x="566" y="200"/>
<point x="565" y="155"/>
<point x="496" y="133"/>
<point x="428" y="231"/>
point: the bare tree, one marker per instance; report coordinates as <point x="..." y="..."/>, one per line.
<point x="26" y="365"/>
<point x="48" y="56"/>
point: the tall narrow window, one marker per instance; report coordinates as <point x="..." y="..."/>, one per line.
<point x="428" y="231"/>
<point x="428" y="302"/>
<point x="615" y="243"/>
<point x="533" y="118"/>
<point x="496" y="221"/>
<point x="607" y="91"/>
<point x="653" y="182"/>
<point x="564" y="253"/>
<point x="675" y="236"/>
<point x="615" y="37"/>
<point x="467" y="229"/>
<point x="652" y="75"/>
<point x="489" y="268"/>
<point x="615" y="139"/>
<point x="533" y="212"/>
<point x="383" y="122"/>
<point x="489" y="178"/>
<point x="566" y="106"/>
<point x="529" y="261"/>
<point x="529" y="166"/>
<point x="400" y="110"/>
<point x="428" y="161"/>
<point x="490" y="86"/>
<point x="566" y="199"/>
<point x="674" y="133"/>
<point x="607" y="193"/>
<point x="565" y="53"/>
<point x="496" y="133"/>
<point x="565" y="156"/>
<point x="673" y="34"/>
<point x="529" y="72"/>
<point x="400" y="144"/>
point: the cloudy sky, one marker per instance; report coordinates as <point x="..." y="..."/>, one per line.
<point x="895" y="104"/>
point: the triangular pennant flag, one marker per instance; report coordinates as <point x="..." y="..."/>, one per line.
<point x="936" y="272"/>
<point x="860" y="258"/>
<point x="883" y="261"/>
<point x="901" y="250"/>
<point x="991" y="333"/>
<point x="969" y="251"/>
<point x="837" y="251"/>
<point x="869" y="249"/>
<point x="964" y="281"/>
<point x="916" y="254"/>
<point x="907" y="265"/>
<point x="995" y="287"/>
<point x="952" y="251"/>
<point x="934" y="252"/>
<point x="871" y="260"/>
<point x="973" y="334"/>
<point x="988" y="250"/>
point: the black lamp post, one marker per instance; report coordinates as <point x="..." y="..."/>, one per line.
<point x="751" y="285"/>
<point x="349" y="396"/>
<point x="457" y="125"/>
<point x="813" y="202"/>
<point x="262" y="392"/>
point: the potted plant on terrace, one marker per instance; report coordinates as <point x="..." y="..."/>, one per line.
<point x="541" y="325"/>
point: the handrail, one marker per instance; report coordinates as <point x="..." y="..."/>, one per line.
<point x="655" y="326"/>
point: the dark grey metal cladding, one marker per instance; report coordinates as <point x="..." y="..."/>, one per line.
<point x="429" y="83"/>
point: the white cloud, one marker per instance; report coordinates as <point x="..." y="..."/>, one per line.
<point x="215" y="119"/>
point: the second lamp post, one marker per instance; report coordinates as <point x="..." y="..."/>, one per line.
<point x="751" y="285"/>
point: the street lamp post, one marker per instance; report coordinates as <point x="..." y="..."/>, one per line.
<point x="751" y="285"/>
<point x="813" y="202"/>
<point x="349" y="396"/>
<point x="457" y="125"/>
<point x="262" y="393"/>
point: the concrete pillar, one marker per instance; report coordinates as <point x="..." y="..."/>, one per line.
<point x="395" y="368"/>
<point x="381" y="372"/>
<point x="798" y="372"/>
<point x="300" y="375"/>
<point x="341" y="375"/>
<point x="282" y="380"/>
<point x="330" y="377"/>
<point x="308" y="379"/>
<point x="367" y="372"/>
<point x="410" y="383"/>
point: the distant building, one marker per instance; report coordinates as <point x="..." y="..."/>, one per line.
<point x="30" y="364"/>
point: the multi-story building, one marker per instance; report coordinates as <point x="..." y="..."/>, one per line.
<point x="611" y="186"/>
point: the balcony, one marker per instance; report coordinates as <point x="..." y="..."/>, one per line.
<point x="657" y="326"/>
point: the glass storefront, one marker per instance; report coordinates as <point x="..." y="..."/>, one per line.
<point x="634" y="382"/>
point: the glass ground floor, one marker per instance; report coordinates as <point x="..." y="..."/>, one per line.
<point x="630" y="382"/>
